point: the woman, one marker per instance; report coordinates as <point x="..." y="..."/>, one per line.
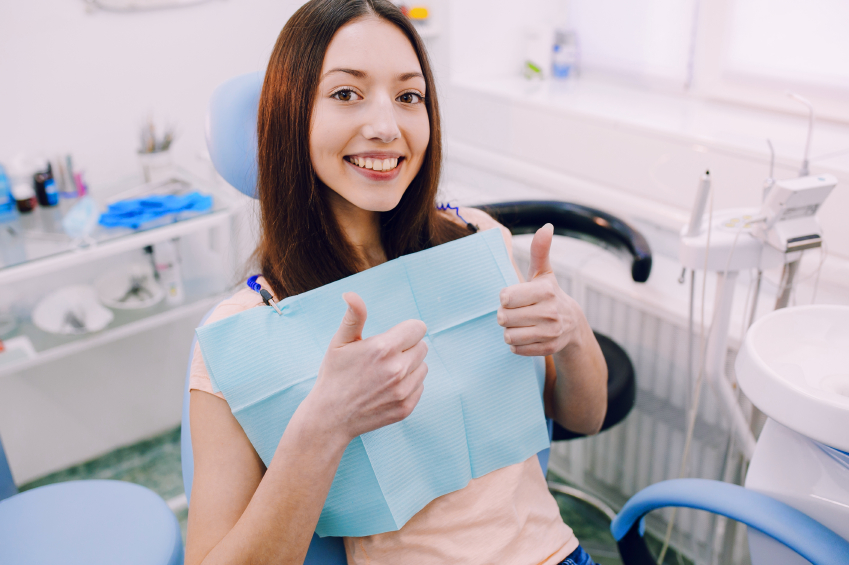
<point x="349" y="160"/>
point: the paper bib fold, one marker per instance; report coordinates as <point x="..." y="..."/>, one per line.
<point x="481" y="409"/>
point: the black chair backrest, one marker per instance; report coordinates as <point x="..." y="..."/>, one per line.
<point x="581" y="222"/>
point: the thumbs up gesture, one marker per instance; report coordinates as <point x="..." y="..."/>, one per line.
<point x="538" y="317"/>
<point x="365" y="384"/>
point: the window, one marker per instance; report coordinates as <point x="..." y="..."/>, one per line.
<point x="647" y="40"/>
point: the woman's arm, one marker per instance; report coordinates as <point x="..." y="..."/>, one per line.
<point x="240" y="515"/>
<point x="542" y="320"/>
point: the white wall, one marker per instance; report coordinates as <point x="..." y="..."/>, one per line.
<point x="83" y="83"/>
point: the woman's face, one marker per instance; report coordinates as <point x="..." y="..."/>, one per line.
<point x="370" y="127"/>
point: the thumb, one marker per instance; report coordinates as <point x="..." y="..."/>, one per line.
<point x="540" y="249"/>
<point x="351" y="328"/>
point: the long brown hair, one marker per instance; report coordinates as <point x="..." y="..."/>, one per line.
<point x="301" y="245"/>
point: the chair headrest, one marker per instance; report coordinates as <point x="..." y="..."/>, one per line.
<point x="231" y="130"/>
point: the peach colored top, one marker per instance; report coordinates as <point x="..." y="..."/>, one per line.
<point x="506" y="517"/>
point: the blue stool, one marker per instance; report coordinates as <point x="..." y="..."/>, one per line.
<point x="86" y="523"/>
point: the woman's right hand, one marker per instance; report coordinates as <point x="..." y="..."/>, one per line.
<point x="365" y="384"/>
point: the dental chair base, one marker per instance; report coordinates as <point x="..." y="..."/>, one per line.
<point x="804" y="474"/>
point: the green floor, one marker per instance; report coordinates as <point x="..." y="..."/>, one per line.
<point x="155" y="463"/>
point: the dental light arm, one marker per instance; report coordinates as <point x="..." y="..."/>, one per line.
<point x="581" y="222"/>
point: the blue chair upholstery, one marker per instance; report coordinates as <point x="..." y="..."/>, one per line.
<point x="7" y="483"/>
<point x="88" y="523"/>
<point x="785" y="524"/>
<point x="231" y="130"/>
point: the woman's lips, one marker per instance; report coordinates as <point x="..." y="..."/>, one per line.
<point x="371" y="174"/>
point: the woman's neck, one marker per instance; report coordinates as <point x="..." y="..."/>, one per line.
<point x="361" y="228"/>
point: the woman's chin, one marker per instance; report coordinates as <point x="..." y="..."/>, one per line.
<point x="379" y="201"/>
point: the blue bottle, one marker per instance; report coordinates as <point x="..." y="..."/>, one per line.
<point x="7" y="201"/>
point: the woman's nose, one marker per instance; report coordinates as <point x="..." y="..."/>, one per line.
<point x="381" y="124"/>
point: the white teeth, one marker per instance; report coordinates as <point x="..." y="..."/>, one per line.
<point x="375" y="164"/>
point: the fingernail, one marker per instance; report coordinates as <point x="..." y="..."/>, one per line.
<point x="513" y="348"/>
<point x="506" y="338"/>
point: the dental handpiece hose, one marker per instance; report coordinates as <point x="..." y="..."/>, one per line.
<point x="699" y="204"/>
<point x="698" y="212"/>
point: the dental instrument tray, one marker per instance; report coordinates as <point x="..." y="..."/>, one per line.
<point x="481" y="409"/>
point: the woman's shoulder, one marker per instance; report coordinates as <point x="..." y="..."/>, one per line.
<point x="483" y="221"/>
<point x="240" y="301"/>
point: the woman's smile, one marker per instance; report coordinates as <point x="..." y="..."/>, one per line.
<point x="376" y="166"/>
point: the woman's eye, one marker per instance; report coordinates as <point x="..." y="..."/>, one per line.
<point x="346" y="95"/>
<point x="411" y="98"/>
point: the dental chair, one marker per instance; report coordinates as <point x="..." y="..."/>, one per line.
<point x="86" y="523"/>
<point x="231" y="139"/>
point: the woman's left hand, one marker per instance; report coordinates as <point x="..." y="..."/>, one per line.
<point x="538" y="317"/>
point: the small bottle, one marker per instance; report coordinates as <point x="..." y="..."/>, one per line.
<point x="7" y="201"/>
<point x="45" y="187"/>
<point x="564" y="59"/>
<point x="24" y="197"/>
<point x="167" y="262"/>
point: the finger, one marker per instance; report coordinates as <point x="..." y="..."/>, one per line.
<point x="540" y="250"/>
<point x="525" y="316"/>
<point x="351" y="328"/>
<point x="525" y="294"/>
<point x="527" y="336"/>
<point x="414" y="356"/>
<point x="405" y="335"/>
<point x="414" y="380"/>
<point x="533" y="349"/>
<point x="412" y="401"/>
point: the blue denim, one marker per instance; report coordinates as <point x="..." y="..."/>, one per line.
<point x="578" y="557"/>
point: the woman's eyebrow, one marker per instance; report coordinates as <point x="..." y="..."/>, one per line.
<point x="408" y="76"/>
<point x="354" y="72"/>
<point x="362" y="74"/>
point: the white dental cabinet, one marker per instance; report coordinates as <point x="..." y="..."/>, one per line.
<point x="71" y="398"/>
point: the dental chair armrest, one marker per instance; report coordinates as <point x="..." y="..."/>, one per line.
<point x="581" y="222"/>
<point x="796" y="530"/>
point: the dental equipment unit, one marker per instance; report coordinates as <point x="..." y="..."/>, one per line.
<point x="729" y="241"/>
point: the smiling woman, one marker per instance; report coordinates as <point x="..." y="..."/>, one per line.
<point x="373" y="145"/>
<point x="349" y="158"/>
